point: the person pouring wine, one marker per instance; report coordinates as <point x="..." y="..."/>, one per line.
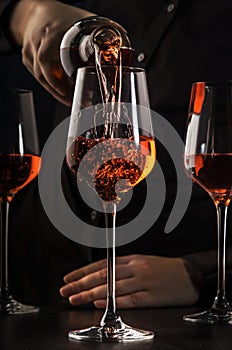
<point x="157" y="269"/>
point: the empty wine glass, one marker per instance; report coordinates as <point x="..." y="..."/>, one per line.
<point x="111" y="147"/>
<point x="208" y="160"/>
<point x="19" y="165"/>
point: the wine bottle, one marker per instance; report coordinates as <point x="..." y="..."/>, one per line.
<point x="94" y="39"/>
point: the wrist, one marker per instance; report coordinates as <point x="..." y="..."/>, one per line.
<point x="195" y="275"/>
<point x="19" y="17"/>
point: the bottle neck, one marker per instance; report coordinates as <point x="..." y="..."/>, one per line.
<point x="104" y="42"/>
<point x="95" y="36"/>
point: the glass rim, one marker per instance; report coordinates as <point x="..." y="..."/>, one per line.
<point x="15" y="91"/>
<point x="214" y="83"/>
<point x="131" y="69"/>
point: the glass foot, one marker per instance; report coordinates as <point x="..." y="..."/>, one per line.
<point x="111" y="334"/>
<point x="210" y="317"/>
<point x="10" y="306"/>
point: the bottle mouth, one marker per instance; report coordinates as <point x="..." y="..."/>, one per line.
<point x="101" y="21"/>
<point x="106" y="41"/>
<point x="106" y="36"/>
<point x="108" y="45"/>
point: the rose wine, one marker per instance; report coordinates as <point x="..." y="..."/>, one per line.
<point x="104" y="160"/>
<point x="71" y="59"/>
<point x="213" y="172"/>
<point x="107" y="161"/>
<point x="16" y="171"/>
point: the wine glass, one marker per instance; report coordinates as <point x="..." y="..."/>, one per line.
<point x="19" y="165"/>
<point x="111" y="148"/>
<point x="208" y="160"/>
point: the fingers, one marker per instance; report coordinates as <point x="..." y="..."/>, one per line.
<point x="80" y="295"/>
<point x="84" y="271"/>
<point x="88" y="296"/>
<point x="97" y="278"/>
<point x="49" y="77"/>
<point x="85" y="283"/>
<point x="47" y="60"/>
<point x="39" y="26"/>
<point x="132" y="300"/>
<point x="141" y="281"/>
<point x="90" y="283"/>
<point x="93" y="267"/>
<point x="44" y="65"/>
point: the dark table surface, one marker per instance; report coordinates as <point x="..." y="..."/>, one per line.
<point x="48" y="330"/>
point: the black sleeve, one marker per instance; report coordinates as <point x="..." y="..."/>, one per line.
<point x="5" y="43"/>
<point x="202" y="268"/>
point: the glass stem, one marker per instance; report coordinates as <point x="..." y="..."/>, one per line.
<point x="110" y="319"/>
<point x="4" y="216"/>
<point x="220" y="302"/>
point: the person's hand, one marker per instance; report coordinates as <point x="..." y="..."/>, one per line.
<point x="141" y="281"/>
<point x="38" y="26"/>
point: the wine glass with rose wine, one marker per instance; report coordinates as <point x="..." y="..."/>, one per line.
<point x="19" y="165"/>
<point x="110" y="147"/>
<point x="208" y="161"/>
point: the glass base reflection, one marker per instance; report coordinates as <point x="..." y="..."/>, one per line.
<point x="209" y="317"/>
<point x="9" y="306"/>
<point x="111" y="334"/>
